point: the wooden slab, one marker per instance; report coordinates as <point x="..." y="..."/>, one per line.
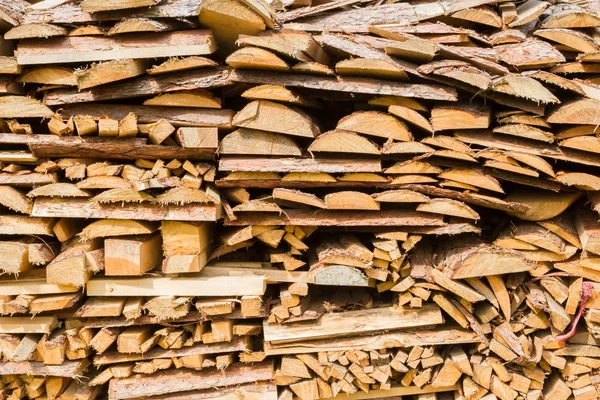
<point x="145" y="85"/>
<point x="337" y="218"/>
<point x="347" y="84"/>
<point x="331" y="166"/>
<point x="28" y="324"/>
<point x="113" y="357"/>
<point x="271" y="275"/>
<point x="82" y="208"/>
<point x="349" y="322"/>
<point x="68" y="369"/>
<point x="52" y="146"/>
<point x="177" y="116"/>
<point x="183" y="380"/>
<point x="71" y="13"/>
<point x="189" y="285"/>
<point x="444" y="335"/>
<point x="72" y="49"/>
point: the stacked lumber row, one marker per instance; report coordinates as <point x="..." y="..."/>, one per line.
<point x="415" y="183"/>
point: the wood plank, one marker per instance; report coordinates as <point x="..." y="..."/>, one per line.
<point x="331" y="166"/>
<point x="27" y="180"/>
<point x="190" y="285"/>
<point x="33" y="286"/>
<point x="25" y="225"/>
<point x="72" y="13"/>
<point x="82" y="208"/>
<point x="271" y="275"/>
<point x="177" y="116"/>
<point x="145" y="85"/>
<point x="251" y="391"/>
<point x="400" y="391"/>
<point x="349" y="322"/>
<point x="113" y="357"/>
<point x="336" y="218"/>
<point x="68" y="369"/>
<point x="347" y="84"/>
<point x="183" y="380"/>
<point x="444" y="335"/>
<point x="72" y="49"/>
<point x="28" y="324"/>
<point x="52" y="146"/>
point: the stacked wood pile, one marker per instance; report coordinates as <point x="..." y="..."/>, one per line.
<point x="299" y="199"/>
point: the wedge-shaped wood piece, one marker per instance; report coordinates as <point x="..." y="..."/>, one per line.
<point x="569" y="16"/>
<point x="93" y="48"/>
<point x="256" y="58"/>
<point x="229" y="19"/>
<point x="530" y="54"/>
<point x="15" y="257"/>
<point x="110" y="71"/>
<point x="275" y="117"/>
<point x="406" y="148"/>
<point x="31" y="31"/>
<point x="58" y="190"/>
<point x="184" y="195"/>
<point x="279" y="93"/>
<point x="92" y="6"/>
<point x="584" y="111"/>
<point x="49" y="75"/>
<point x="140" y="24"/>
<point x="15" y="200"/>
<point x="542" y="204"/>
<point x="580" y="180"/>
<point x="460" y="117"/>
<point x="400" y="196"/>
<point x="350" y="201"/>
<point x="525" y="131"/>
<point x="294" y="45"/>
<point x="297" y="196"/>
<point x="583" y="143"/>
<point x="448" y="207"/>
<point x="563" y="225"/>
<point x="371" y="69"/>
<point x="540" y="237"/>
<point x="245" y="141"/>
<point x="374" y="123"/>
<point x="455" y="287"/>
<point x="473" y="177"/>
<point x="186" y="380"/>
<point x="524" y="87"/>
<point x="198" y="98"/>
<point x="480" y="15"/>
<point x="413" y="49"/>
<point x="116" y="227"/>
<point x="173" y="286"/>
<point x="9" y="66"/>
<point x="23" y="107"/>
<point x="348" y="84"/>
<point x="574" y="39"/>
<point x="413" y="167"/>
<point x="411" y="116"/>
<point x="181" y="64"/>
<point x="340" y="141"/>
<point x="345" y="323"/>
<point x="532" y="161"/>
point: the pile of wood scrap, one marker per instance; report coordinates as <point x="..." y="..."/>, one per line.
<point x="299" y="199"/>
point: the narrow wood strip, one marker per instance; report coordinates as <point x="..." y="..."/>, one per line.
<point x="82" y="208"/>
<point x="298" y="165"/>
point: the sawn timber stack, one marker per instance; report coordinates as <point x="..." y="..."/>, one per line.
<point x="299" y="199"/>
